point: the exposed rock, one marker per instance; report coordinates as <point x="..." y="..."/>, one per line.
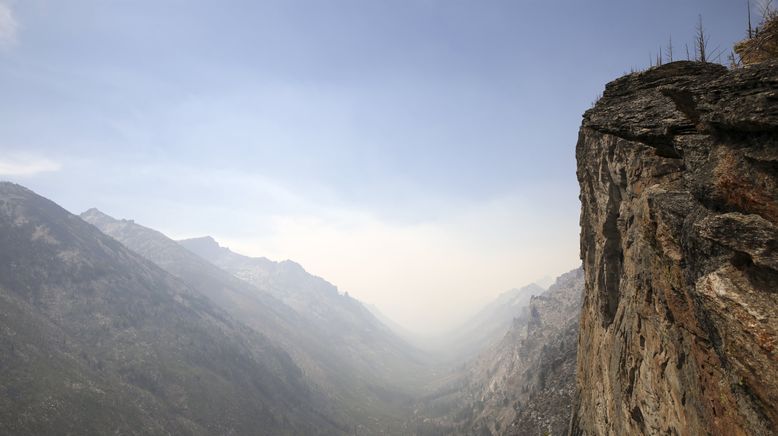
<point x="548" y="381"/>
<point x="678" y="168"/>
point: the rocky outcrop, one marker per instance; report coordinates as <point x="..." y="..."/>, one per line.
<point x="678" y="169"/>
<point x="547" y="383"/>
<point x="525" y="386"/>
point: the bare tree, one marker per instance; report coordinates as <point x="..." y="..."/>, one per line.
<point x="750" y="29"/>
<point x="716" y="54"/>
<point x="669" y="51"/>
<point x="688" y="56"/>
<point x="701" y="42"/>
<point x="734" y="61"/>
<point x="767" y="10"/>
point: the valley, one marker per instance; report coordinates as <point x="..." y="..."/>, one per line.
<point x="388" y="218"/>
<point x="340" y="369"/>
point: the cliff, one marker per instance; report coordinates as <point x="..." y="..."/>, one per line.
<point x="678" y="169"/>
<point x="547" y="383"/>
<point x="525" y="385"/>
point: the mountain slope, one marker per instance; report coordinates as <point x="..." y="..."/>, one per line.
<point x="486" y="328"/>
<point x="349" y="325"/>
<point x="369" y="372"/>
<point x="524" y="384"/>
<point x="97" y="340"/>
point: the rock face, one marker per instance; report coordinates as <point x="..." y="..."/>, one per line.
<point x="549" y="351"/>
<point x="678" y="168"/>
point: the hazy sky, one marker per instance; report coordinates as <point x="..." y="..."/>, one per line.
<point x="418" y="154"/>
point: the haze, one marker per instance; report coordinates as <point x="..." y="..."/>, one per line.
<point x="417" y="154"/>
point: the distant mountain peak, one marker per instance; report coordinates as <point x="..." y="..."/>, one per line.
<point x="545" y="281"/>
<point x="95" y="215"/>
<point x="204" y="241"/>
<point x="209" y="248"/>
<point x="291" y="265"/>
<point x="6" y="186"/>
<point x="92" y="211"/>
<point x="205" y="246"/>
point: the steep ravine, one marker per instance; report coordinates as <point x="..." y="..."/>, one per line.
<point x="521" y="385"/>
<point x="678" y="169"/>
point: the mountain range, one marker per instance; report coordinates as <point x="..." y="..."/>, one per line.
<point x="112" y="327"/>
<point x="342" y="348"/>
<point x="97" y="339"/>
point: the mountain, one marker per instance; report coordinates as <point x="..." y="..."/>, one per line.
<point x="350" y="324"/>
<point x="312" y="297"/>
<point x="369" y="372"/>
<point x="678" y="170"/>
<point x="548" y="353"/>
<point x="485" y="328"/>
<point x="545" y="281"/>
<point x="97" y="340"/>
<point x="525" y="383"/>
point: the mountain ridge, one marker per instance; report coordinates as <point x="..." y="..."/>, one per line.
<point x="364" y="367"/>
<point x="96" y="326"/>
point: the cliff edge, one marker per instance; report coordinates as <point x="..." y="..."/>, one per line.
<point x="678" y="169"/>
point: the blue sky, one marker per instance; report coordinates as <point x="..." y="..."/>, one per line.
<point x="415" y="153"/>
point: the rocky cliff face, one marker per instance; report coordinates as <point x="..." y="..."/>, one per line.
<point x="678" y="168"/>
<point x="547" y="383"/>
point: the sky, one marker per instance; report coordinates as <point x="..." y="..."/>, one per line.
<point x="418" y="154"/>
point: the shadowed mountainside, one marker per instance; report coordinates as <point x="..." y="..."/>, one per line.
<point x="97" y="340"/>
<point x="352" y="328"/>
<point x="369" y="372"/>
